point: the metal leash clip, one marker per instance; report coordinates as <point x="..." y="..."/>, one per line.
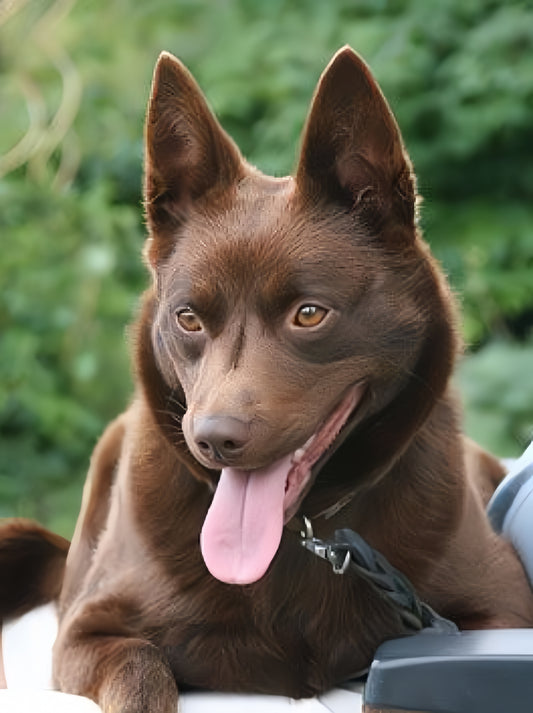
<point x="338" y="557"/>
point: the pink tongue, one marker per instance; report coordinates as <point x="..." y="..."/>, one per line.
<point x="242" y="529"/>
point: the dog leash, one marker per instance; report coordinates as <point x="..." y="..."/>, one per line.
<point x="349" y="551"/>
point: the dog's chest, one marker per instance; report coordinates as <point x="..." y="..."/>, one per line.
<point x="294" y="643"/>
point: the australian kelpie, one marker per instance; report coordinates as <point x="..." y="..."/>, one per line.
<point x="292" y="358"/>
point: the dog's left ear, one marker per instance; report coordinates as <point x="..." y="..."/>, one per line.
<point x="352" y="151"/>
<point x="187" y="153"/>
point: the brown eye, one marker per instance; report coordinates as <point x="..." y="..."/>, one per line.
<point x="309" y="316"/>
<point x="188" y="321"/>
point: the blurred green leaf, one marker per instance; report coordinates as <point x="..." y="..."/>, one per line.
<point x="497" y="386"/>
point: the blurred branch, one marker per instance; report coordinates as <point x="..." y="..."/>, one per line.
<point x="41" y="140"/>
<point x="9" y="8"/>
<point x="27" y="146"/>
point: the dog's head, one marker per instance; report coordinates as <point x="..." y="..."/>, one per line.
<point x="291" y="316"/>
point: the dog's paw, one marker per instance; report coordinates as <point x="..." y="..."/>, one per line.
<point x="142" y="683"/>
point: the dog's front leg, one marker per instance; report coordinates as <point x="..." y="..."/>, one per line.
<point x="123" y="675"/>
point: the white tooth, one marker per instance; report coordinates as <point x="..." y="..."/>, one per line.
<point x="298" y="455"/>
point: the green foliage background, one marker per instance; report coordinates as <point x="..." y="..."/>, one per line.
<point x="74" y="80"/>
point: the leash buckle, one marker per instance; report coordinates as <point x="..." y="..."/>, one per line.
<point x="338" y="557"/>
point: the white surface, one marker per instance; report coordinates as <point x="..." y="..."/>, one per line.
<point x="336" y="701"/>
<point x="27" y="643"/>
<point x="44" y="702"/>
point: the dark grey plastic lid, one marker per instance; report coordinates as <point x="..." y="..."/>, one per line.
<point x="467" y="672"/>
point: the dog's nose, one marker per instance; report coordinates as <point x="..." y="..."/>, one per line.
<point x="220" y="438"/>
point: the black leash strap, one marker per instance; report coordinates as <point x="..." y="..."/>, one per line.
<point x="349" y="550"/>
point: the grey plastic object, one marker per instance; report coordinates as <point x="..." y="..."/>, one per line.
<point x="469" y="672"/>
<point x="511" y="509"/>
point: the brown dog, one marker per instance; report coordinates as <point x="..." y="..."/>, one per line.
<point x="293" y="357"/>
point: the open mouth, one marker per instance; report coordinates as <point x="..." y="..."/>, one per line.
<point x="243" y="527"/>
<point x="316" y="450"/>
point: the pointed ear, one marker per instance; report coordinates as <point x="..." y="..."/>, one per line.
<point x="187" y="153"/>
<point x="352" y="151"/>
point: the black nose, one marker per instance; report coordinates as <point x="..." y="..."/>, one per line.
<point x="220" y="438"/>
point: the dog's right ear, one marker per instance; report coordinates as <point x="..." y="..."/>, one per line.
<point x="187" y="153"/>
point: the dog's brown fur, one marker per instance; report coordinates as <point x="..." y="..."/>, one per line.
<point x="236" y="254"/>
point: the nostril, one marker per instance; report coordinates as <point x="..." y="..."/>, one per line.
<point x="230" y="446"/>
<point x="203" y="446"/>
